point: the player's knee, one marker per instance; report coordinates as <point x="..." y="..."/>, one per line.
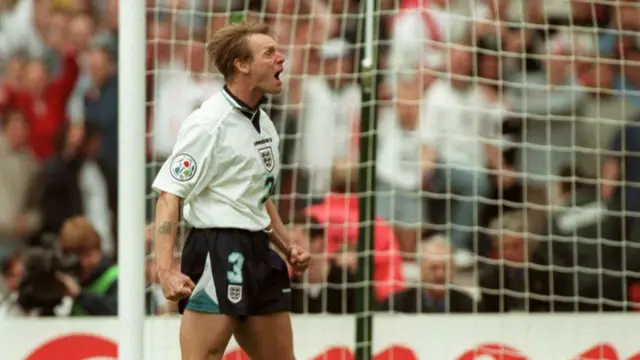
<point x="193" y="348"/>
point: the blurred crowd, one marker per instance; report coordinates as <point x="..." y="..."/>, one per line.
<point x="505" y="149"/>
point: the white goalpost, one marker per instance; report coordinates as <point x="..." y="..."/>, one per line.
<point x="131" y="179"/>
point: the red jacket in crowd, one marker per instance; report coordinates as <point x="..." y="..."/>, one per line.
<point x="340" y="215"/>
<point x="45" y="117"/>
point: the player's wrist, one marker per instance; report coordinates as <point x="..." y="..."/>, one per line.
<point x="163" y="270"/>
<point x="289" y="250"/>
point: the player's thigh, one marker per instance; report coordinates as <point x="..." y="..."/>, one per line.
<point x="267" y="337"/>
<point x="204" y="336"/>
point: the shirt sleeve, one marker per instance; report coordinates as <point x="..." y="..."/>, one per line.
<point x="190" y="167"/>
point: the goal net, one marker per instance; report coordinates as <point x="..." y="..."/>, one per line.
<point x="503" y="173"/>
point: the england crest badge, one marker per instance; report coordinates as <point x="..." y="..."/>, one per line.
<point x="267" y="158"/>
<point x="234" y="293"/>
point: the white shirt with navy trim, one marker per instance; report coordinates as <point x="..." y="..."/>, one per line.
<point x="222" y="166"/>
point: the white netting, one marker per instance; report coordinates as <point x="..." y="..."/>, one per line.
<point x="505" y="134"/>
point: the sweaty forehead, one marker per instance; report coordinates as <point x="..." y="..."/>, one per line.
<point x="260" y="42"/>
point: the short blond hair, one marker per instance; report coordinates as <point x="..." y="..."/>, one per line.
<point x="78" y="235"/>
<point x="231" y="43"/>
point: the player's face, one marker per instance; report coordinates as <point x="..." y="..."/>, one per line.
<point x="267" y="64"/>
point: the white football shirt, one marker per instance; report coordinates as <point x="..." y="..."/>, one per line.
<point x="398" y="153"/>
<point x="222" y="166"/>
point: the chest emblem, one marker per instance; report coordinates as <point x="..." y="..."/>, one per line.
<point x="266" y="153"/>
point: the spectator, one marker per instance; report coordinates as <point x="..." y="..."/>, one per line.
<point x="19" y="215"/>
<point x="43" y="101"/>
<point x="95" y="292"/>
<point x="460" y="124"/>
<point x="327" y="286"/>
<point x="626" y="48"/>
<point x="12" y="273"/>
<point x="588" y="233"/>
<point x="621" y="170"/>
<point x="328" y="144"/>
<point x="437" y="293"/>
<point x="23" y="28"/>
<point x="81" y="31"/>
<point x="338" y="213"/>
<point x="424" y="30"/>
<point x="620" y="182"/>
<point x="178" y="95"/>
<point x="14" y="72"/>
<point x="98" y="188"/>
<point x="403" y="161"/>
<point x="75" y="183"/>
<point x="108" y="15"/>
<point x="101" y="100"/>
<point x="522" y="276"/>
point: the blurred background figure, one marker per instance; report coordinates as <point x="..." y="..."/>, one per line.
<point x="20" y="216"/>
<point x="326" y="286"/>
<point x="497" y="121"/>
<point x="77" y="182"/>
<point x="12" y="273"/>
<point x="521" y="266"/>
<point x="179" y="94"/>
<point x="404" y="161"/>
<point x="95" y="290"/>
<point x="438" y="292"/>
<point x="328" y="122"/>
<point x="101" y="100"/>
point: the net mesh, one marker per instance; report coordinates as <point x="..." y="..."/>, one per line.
<point x="505" y="158"/>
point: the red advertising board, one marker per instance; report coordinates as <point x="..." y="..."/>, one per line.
<point x="481" y="337"/>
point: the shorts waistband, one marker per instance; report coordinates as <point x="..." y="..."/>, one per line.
<point x="221" y="229"/>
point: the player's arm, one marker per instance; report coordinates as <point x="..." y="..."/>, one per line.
<point x="182" y="176"/>
<point x="167" y="210"/>
<point x="297" y="256"/>
<point x="279" y="234"/>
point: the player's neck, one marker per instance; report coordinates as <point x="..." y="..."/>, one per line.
<point x="250" y="96"/>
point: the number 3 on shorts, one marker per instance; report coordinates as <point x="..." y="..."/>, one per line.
<point x="269" y="182"/>
<point x="236" y="261"/>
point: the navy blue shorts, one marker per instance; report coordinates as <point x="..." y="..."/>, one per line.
<point x="236" y="273"/>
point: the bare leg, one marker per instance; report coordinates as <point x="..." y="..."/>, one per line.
<point x="267" y="337"/>
<point x="204" y="336"/>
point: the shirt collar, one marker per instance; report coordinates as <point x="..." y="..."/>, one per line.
<point x="236" y="102"/>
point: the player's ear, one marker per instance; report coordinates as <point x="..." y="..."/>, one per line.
<point x="242" y="67"/>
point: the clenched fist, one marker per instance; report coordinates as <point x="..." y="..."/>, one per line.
<point x="298" y="258"/>
<point x="175" y="285"/>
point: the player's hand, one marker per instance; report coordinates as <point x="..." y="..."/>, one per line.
<point x="175" y="285"/>
<point x="298" y="258"/>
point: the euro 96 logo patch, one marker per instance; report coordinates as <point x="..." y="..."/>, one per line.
<point x="183" y="167"/>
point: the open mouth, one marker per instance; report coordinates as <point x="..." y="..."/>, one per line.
<point x="277" y="75"/>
